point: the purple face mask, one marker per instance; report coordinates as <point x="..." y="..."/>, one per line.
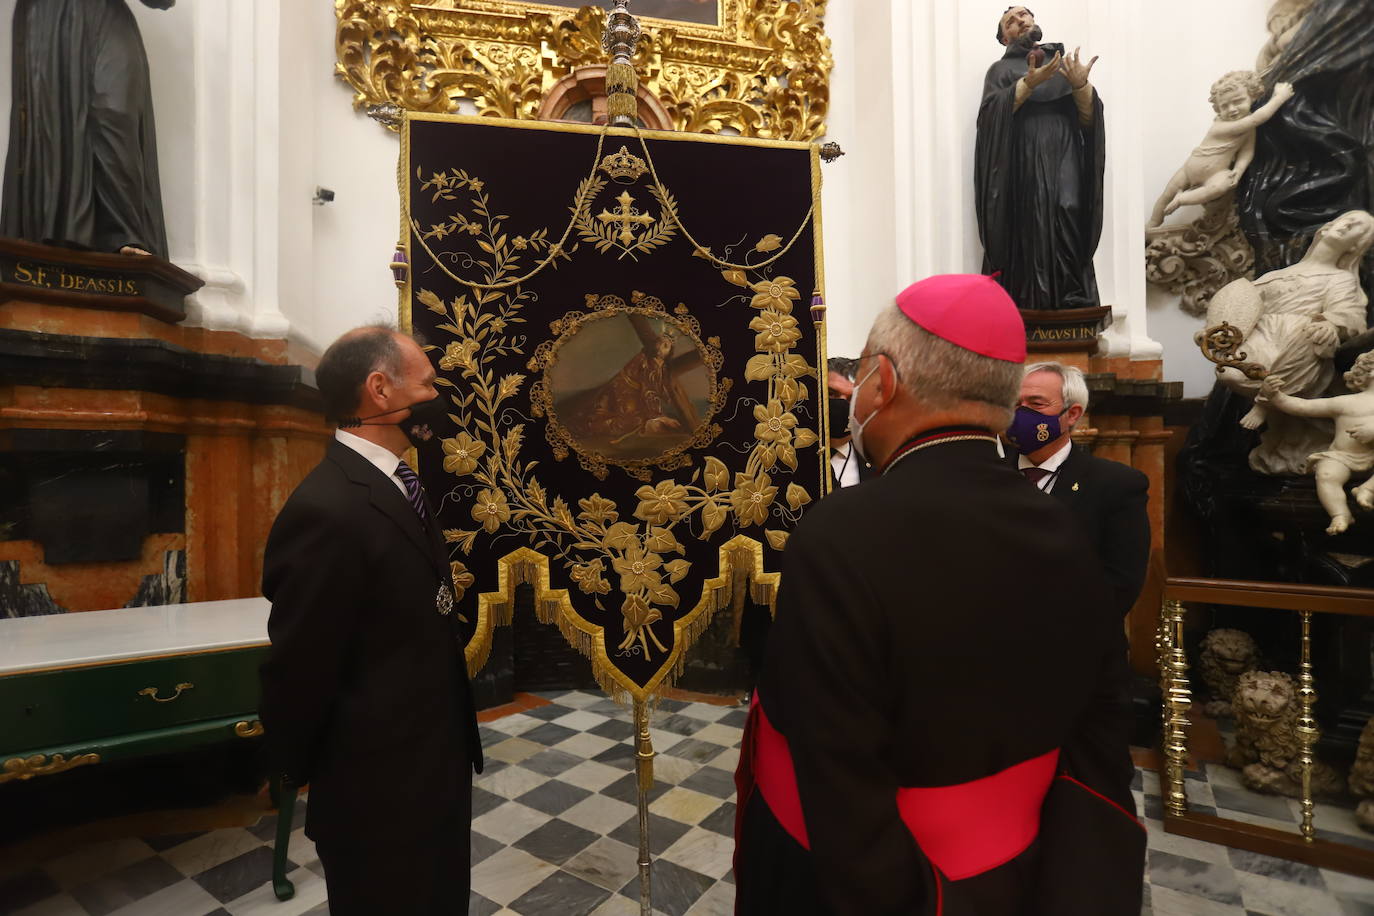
<point x="1031" y="430"/>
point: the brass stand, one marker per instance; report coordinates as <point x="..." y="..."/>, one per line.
<point x="1308" y="733"/>
<point x="822" y="388"/>
<point x="1178" y="701"/>
<point x="644" y="768"/>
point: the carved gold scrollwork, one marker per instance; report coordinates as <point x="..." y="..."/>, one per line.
<point x="248" y="729"/>
<point x="764" y="71"/>
<point x="21" y="768"/>
<point x="1222" y="345"/>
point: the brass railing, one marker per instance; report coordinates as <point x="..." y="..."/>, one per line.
<point x="1306" y="600"/>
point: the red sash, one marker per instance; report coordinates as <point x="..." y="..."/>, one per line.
<point x="965" y="830"/>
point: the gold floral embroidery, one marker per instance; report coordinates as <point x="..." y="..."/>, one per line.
<point x="664" y="503"/>
<point x="590" y="539"/>
<point x="638" y="570"/>
<point x="751" y="498"/>
<point x="491" y="510"/>
<point x="777" y="333"/>
<point x="777" y="295"/>
<point x="461" y="454"/>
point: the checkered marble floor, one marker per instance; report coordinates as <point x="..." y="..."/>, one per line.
<point x="554" y="832"/>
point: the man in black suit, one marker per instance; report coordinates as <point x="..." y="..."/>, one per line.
<point x="1108" y="497"/>
<point x="365" y="695"/>
<point x="1109" y="501"/>
<point x="846" y="468"/>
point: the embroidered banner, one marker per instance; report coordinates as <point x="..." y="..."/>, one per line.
<point x="622" y="325"/>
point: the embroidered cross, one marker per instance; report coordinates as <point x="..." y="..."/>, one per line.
<point x="626" y="217"/>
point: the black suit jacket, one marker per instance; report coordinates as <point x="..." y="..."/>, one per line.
<point x="1109" y="499"/>
<point x="365" y="694"/>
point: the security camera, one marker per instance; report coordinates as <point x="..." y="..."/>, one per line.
<point x="323" y="196"/>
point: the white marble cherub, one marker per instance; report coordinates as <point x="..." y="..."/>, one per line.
<point x="1350" y="452"/>
<point x="1215" y="166"/>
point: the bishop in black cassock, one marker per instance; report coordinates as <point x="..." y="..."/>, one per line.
<point x="913" y="744"/>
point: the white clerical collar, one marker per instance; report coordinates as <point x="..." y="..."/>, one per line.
<point x="841" y="451"/>
<point x="382" y="457"/>
<point x="1052" y="463"/>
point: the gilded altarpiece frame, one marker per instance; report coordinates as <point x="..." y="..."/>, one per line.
<point x="763" y="71"/>
<point x="627" y="327"/>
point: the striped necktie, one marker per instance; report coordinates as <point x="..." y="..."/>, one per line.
<point x="414" y="494"/>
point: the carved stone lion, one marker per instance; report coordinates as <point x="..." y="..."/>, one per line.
<point x="1226" y="655"/>
<point x="1267" y="746"/>
<point x="1362" y="777"/>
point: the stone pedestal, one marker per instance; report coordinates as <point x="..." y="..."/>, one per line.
<point x="1057" y="334"/>
<point x="139" y="460"/>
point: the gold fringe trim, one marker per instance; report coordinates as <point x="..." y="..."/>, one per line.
<point x="741" y="563"/>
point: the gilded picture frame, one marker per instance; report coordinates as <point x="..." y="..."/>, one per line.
<point x="763" y="70"/>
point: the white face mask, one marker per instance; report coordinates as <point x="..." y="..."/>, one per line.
<point x="856" y="428"/>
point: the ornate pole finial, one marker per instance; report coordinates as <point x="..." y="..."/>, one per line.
<point x="622" y="85"/>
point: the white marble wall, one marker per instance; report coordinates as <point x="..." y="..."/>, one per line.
<point x="251" y="119"/>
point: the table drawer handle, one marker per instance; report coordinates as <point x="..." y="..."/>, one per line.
<point x="151" y="692"/>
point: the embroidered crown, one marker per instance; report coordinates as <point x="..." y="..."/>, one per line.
<point x="624" y="166"/>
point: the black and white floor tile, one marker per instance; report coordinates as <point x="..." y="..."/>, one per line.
<point x="555" y="832"/>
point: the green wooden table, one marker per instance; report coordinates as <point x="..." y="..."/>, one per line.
<point x="91" y="688"/>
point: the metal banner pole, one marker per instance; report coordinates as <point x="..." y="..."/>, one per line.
<point x="644" y="768"/>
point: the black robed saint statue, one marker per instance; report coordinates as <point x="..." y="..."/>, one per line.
<point x="1038" y="171"/>
<point x="82" y="163"/>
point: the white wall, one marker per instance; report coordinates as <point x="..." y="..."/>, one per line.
<point x="356" y="234"/>
<point x="1221" y="37"/>
<point x="251" y="119"/>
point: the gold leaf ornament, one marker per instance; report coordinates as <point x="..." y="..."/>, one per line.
<point x="713" y="515"/>
<point x="760" y="368"/>
<point x="661" y="541"/>
<point x="777" y="539"/>
<point x="768" y="243"/>
<point x="737" y="277"/>
<point x="797" y="497"/>
<point x="621" y="536"/>
<point x="432" y="302"/>
<point x="462" y="579"/>
<point x="763" y="70"/>
<point x="638" y="618"/>
<point x="677" y="570"/>
<point x="717" y="475"/>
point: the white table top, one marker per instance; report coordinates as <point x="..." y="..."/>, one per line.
<point x="98" y="637"/>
